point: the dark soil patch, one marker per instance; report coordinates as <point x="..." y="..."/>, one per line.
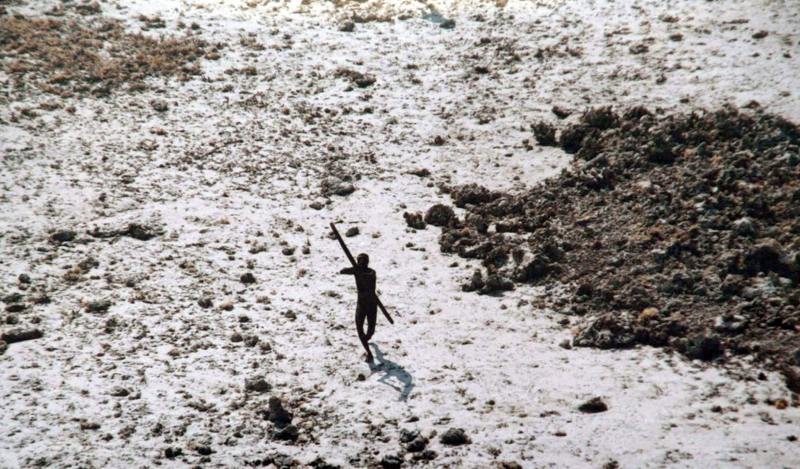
<point x="92" y="55"/>
<point x="680" y="231"/>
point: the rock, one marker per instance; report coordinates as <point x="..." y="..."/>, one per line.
<point x="638" y="49"/>
<point x="257" y="384"/>
<point x="20" y="335"/>
<point x="454" y="437"/>
<point x="593" y="406"/>
<point x="16" y="308"/>
<point x="247" y="278"/>
<point x="119" y="391"/>
<point x="608" y="331"/>
<point x="24" y="279"/>
<point x="730" y="323"/>
<point x="287" y="251"/>
<point x="497" y="283"/>
<point x="277" y="414"/>
<point x="141" y="232"/>
<point x="12" y="298"/>
<point x="159" y="105"/>
<point x="475" y="282"/>
<point x="172" y="453"/>
<point x="236" y="337"/>
<point x="204" y="450"/>
<point x="509" y="465"/>
<point x="545" y="134"/>
<point x="438" y="141"/>
<point x="317" y="205"/>
<point x="792" y="377"/>
<point x="414" y="220"/>
<point x="760" y="34"/>
<point x="561" y="112"/>
<point x="417" y="444"/>
<point x="352" y="231"/>
<point x="448" y="24"/>
<point x="391" y="461"/>
<point x="205" y="303"/>
<point x="565" y="344"/>
<point x="98" y="306"/>
<point x="744" y="227"/>
<point x="704" y="347"/>
<point x="421" y="172"/>
<point x="440" y="215"/>
<point x="768" y="256"/>
<point x="347" y="27"/>
<point x="3" y="346"/>
<point x="407" y="436"/>
<point x="63" y="236"/>
<point x="287" y="433"/>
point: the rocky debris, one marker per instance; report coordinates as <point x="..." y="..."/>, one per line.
<point x="119" y="391"/>
<point x="420" y="172"/>
<point x="172" y="453"/>
<point x="414" y="220"/>
<point x="760" y="34"/>
<point x="347" y="27"/>
<point x="638" y="49"/>
<point x="692" y="215"/>
<point x="440" y="215"/>
<point x="16" y="308"/>
<point x="454" y="437"/>
<point x="205" y="302"/>
<point x="3" y="346"/>
<point x="24" y="279"/>
<point x="509" y="465"/>
<point x="20" y="335"/>
<point x="63" y="236"/>
<point x="257" y="384"/>
<point x="352" y="231"/>
<point x="247" y="278"/>
<point x="593" y="406"/>
<point x="561" y="112"/>
<point x="159" y="105"/>
<point x="287" y="251"/>
<point x="140" y="231"/>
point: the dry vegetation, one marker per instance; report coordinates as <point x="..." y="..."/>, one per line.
<point x="68" y="56"/>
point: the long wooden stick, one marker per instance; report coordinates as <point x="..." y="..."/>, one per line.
<point x="353" y="262"/>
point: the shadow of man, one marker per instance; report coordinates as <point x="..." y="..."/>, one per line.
<point x="393" y="371"/>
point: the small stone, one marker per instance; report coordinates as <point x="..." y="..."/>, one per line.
<point x="510" y="465"/>
<point x="440" y="215"/>
<point x="704" y="347"/>
<point x="448" y="24"/>
<point x="204" y="450"/>
<point x="256" y="384"/>
<point x="63" y="236"/>
<point x="407" y="436"/>
<point x="247" y="278"/>
<point x="344" y="189"/>
<point x="3" y="346"/>
<point x="438" y="141"/>
<point x="205" y="303"/>
<point x="352" y="231"/>
<point x="24" y="278"/>
<point x="593" y="406"/>
<point x="417" y="444"/>
<point x="347" y="27"/>
<point x="287" y="433"/>
<point x="20" y="335"/>
<point x="454" y="437"/>
<point x="236" y="337"/>
<point x="317" y="205"/>
<point x="744" y="227"/>
<point x="565" y="344"/>
<point x="277" y="414"/>
<point x="287" y="251"/>
<point x="90" y="426"/>
<point x="414" y="220"/>
<point x="760" y="34"/>
<point x="98" y="306"/>
<point x="16" y="308"/>
<point x="159" y="105"/>
<point x="172" y="453"/>
<point x="391" y="461"/>
<point x="119" y="391"/>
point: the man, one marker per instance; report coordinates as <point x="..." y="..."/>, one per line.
<point x="367" y="306"/>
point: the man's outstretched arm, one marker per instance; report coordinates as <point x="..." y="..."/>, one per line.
<point x="348" y="271"/>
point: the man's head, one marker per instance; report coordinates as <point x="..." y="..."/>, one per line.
<point x="362" y="260"/>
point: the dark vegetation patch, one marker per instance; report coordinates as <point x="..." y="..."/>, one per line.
<point x="92" y="55"/>
<point x="679" y="231"/>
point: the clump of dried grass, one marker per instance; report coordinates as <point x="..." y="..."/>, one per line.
<point x="67" y="56"/>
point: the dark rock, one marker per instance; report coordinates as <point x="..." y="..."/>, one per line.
<point x="407" y="436"/>
<point x="760" y="34"/>
<point x="20" y="335"/>
<point x="16" y="308"/>
<point x="448" y="24"/>
<point x="204" y="450"/>
<point x="172" y="453"/>
<point x="256" y="384"/>
<point x="24" y="278"/>
<point x="287" y="433"/>
<point x="454" y="437"/>
<point x="119" y="391"/>
<point x="421" y="172"/>
<point x="544" y="133"/>
<point x="472" y="194"/>
<point x="593" y="406"/>
<point x="277" y="414"/>
<point x="247" y="278"/>
<point x="12" y="298"/>
<point x="414" y="220"/>
<point x="98" y="306"/>
<point x="159" y="105"/>
<point x="509" y="465"/>
<point x="391" y="461"/>
<point x="560" y="112"/>
<point x="638" y="49"/>
<point x="347" y="27"/>
<point x="3" y="346"/>
<point x="63" y="236"/>
<point x="141" y="232"/>
<point x="417" y="444"/>
<point x="704" y="347"/>
<point x="352" y="231"/>
<point x="205" y="303"/>
<point x="475" y="282"/>
<point x="440" y="215"/>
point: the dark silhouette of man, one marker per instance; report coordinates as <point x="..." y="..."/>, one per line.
<point x="367" y="306"/>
